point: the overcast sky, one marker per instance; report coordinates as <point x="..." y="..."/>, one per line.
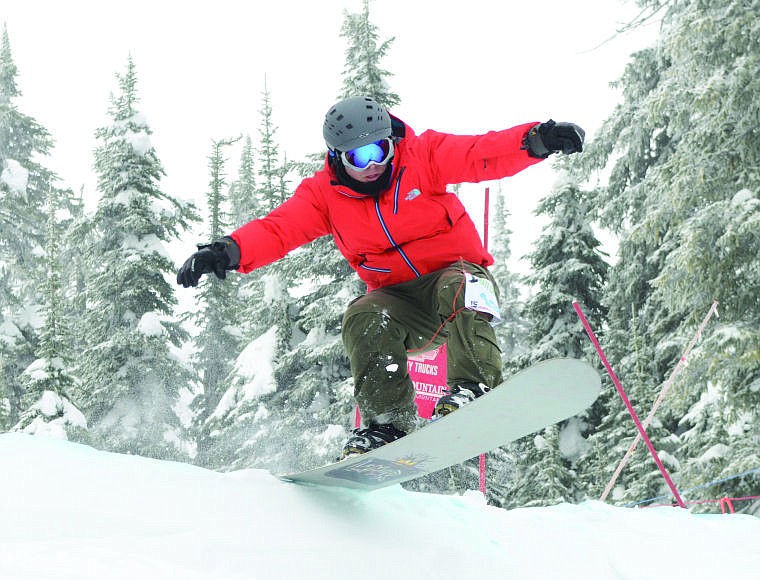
<point x="458" y="66"/>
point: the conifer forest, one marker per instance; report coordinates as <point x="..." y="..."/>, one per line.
<point x="95" y="346"/>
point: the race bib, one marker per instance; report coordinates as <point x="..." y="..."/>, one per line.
<point x="480" y="295"/>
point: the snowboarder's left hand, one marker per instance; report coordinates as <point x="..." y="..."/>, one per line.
<point x="551" y="137"/>
<point x="217" y="257"/>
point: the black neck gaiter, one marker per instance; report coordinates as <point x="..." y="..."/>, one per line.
<point x="373" y="188"/>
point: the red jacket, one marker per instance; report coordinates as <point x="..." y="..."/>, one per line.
<point x="413" y="228"/>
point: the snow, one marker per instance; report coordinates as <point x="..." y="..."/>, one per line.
<point x="743" y="196"/>
<point x="316" y="337"/>
<point x="71" y="512"/>
<point x="254" y="373"/>
<point x="147" y="244"/>
<point x="125" y="415"/>
<point x="710" y="397"/>
<point x="306" y="286"/>
<point x="30" y="315"/>
<point x="150" y="324"/>
<point x="38" y="370"/>
<point x="50" y="404"/>
<point x="274" y="289"/>
<point x="714" y="453"/>
<point x="15" y="176"/>
<point x="254" y="364"/>
<point x="9" y="332"/>
<point x="140" y="141"/>
<point x="135" y="132"/>
<point x="572" y="444"/>
<point x="328" y="441"/>
<point x="124" y="197"/>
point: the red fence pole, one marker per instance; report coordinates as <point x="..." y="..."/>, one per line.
<point x="482" y="464"/>
<point x="486" y="213"/>
<point x="725" y="504"/>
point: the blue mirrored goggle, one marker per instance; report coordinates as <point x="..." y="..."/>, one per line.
<point x="377" y="153"/>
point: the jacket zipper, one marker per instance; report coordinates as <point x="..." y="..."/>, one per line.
<point x="395" y="192"/>
<point x="388" y="235"/>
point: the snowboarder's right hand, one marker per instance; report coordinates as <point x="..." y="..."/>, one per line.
<point x="217" y="257"/>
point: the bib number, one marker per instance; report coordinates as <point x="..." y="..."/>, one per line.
<point x="480" y="295"/>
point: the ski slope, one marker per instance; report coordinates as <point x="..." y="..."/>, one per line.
<point x="68" y="511"/>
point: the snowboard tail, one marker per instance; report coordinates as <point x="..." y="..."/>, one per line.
<point x="528" y="401"/>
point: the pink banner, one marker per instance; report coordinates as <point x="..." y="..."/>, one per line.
<point x="428" y="373"/>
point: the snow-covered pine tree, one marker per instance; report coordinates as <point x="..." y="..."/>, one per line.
<point x="242" y="193"/>
<point x="682" y="150"/>
<point x="567" y="265"/>
<point x="362" y="74"/>
<point x="220" y="337"/>
<point x="77" y="266"/>
<point x="715" y="252"/>
<point x="24" y="185"/>
<point x="545" y="478"/>
<point x="130" y="374"/>
<point x="721" y="426"/>
<point x="512" y="332"/>
<point x="270" y="304"/>
<point x="269" y="190"/>
<point x="48" y="382"/>
<point x="264" y="317"/>
<point x="244" y="206"/>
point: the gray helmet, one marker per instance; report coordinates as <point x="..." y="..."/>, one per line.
<point x="354" y="122"/>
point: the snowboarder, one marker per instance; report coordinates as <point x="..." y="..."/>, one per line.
<point x="382" y="196"/>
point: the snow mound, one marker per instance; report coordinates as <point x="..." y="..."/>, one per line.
<point x="71" y="512"/>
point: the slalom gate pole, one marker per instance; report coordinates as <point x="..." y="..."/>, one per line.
<point x="663" y="392"/>
<point x="486" y="212"/>
<point x="628" y="405"/>
<point x="482" y="464"/>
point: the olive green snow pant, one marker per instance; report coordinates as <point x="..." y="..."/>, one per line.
<point x="381" y="326"/>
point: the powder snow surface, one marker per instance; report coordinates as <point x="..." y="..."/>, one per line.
<point x="68" y="511"/>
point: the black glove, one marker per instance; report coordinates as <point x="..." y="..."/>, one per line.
<point x="216" y="257"/>
<point x="550" y="137"/>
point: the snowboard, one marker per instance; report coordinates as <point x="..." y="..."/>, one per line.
<point x="528" y="401"/>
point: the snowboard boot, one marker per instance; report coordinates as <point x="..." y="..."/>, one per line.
<point x="369" y="438"/>
<point x="457" y="396"/>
